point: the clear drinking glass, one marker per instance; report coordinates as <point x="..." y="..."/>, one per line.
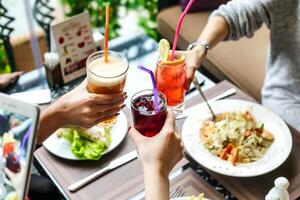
<point x="106" y="77"/>
<point x="146" y="119"/>
<point x="170" y="78"/>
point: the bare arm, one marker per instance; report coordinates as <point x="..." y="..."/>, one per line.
<point x="50" y="121"/>
<point x="158" y="156"/>
<point x="9" y="78"/>
<point x="156" y="184"/>
<point x="236" y="19"/>
<point x="214" y="32"/>
<point x="81" y="108"/>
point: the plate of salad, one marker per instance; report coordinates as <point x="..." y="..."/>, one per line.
<point x="244" y="140"/>
<point x="193" y="197"/>
<point x="77" y="143"/>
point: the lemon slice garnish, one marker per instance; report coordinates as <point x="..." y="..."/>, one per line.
<point x="163" y="49"/>
<point x="176" y="61"/>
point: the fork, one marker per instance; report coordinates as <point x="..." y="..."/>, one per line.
<point x="178" y="192"/>
<point x="198" y="87"/>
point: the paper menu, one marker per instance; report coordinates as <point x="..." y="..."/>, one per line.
<point x="74" y="41"/>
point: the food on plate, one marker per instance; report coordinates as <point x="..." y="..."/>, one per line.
<point x="87" y="143"/>
<point x="12" y="196"/>
<point x="236" y="137"/>
<point x="200" y="197"/>
<point x="8" y="144"/>
<point x="193" y="197"/>
<point x="13" y="163"/>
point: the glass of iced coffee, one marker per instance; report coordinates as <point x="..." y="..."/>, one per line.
<point x="106" y="77"/>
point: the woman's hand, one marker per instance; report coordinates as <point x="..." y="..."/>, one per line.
<point x="161" y="152"/>
<point x="158" y="155"/>
<point x="193" y="60"/>
<point x="80" y="108"/>
<point x="7" y="79"/>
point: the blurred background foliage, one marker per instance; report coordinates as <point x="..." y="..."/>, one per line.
<point x="4" y="66"/>
<point x="147" y="21"/>
<point x="146" y="9"/>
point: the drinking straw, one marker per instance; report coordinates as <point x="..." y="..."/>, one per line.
<point x="106" y="32"/>
<point x="33" y="40"/>
<point x="154" y="86"/>
<point x="187" y="8"/>
<point x="24" y="140"/>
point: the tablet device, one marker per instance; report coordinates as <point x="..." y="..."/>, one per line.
<point x="18" y="127"/>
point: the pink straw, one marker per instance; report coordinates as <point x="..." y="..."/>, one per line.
<point x="186" y="10"/>
<point x="154" y="86"/>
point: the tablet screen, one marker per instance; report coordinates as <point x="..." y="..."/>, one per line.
<point x="15" y="135"/>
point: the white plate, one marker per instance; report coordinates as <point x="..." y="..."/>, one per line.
<point x="274" y="157"/>
<point x="62" y="148"/>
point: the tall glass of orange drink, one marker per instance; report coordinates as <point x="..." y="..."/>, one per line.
<point x="170" y="78"/>
<point x="106" y="77"/>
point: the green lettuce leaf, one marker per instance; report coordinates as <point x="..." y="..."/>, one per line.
<point x="84" y="148"/>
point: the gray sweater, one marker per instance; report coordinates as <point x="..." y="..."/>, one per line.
<point x="281" y="91"/>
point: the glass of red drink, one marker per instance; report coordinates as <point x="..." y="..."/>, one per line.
<point x="170" y="79"/>
<point x="146" y="119"/>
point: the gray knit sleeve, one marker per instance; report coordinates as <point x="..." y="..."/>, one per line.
<point x="244" y="17"/>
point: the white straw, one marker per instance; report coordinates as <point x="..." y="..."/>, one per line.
<point x="33" y="40"/>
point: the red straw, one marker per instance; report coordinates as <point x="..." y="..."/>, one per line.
<point x="106" y="32"/>
<point x="186" y="10"/>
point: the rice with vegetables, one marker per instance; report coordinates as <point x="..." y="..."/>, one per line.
<point x="236" y="137"/>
